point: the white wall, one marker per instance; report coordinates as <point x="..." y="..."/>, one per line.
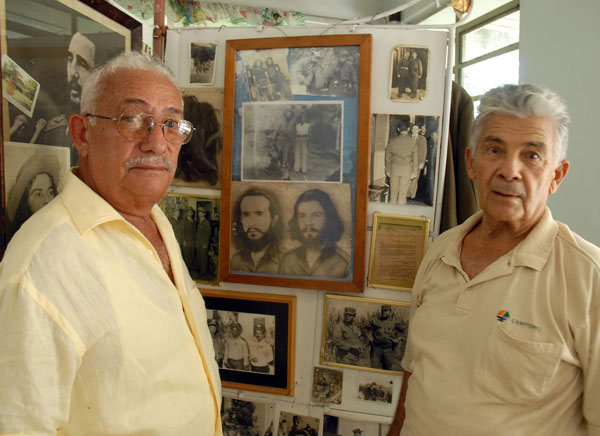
<point x="559" y="48"/>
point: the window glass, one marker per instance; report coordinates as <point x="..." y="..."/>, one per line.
<point x="499" y="70"/>
<point x="492" y="36"/>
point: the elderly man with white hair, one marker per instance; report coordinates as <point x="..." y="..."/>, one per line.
<point x="103" y="331"/>
<point x="504" y="333"/>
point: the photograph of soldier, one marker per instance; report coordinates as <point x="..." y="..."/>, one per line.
<point x="33" y="176"/>
<point x="195" y="222"/>
<point x="291" y="424"/>
<point x="293" y="142"/>
<point x="408" y="76"/>
<point x="257" y="229"/>
<point x="246" y="418"/>
<point x="317" y="225"/>
<point x="365" y="333"/>
<point x="266" y="74"/>
<point x="338" y="426"/>
<point x="375" y="389"/>
<point x="199" y="162"/>
<point x="327" y="385"/>
<point x="403" y="157"/>
<point x="330" y="71"/>
<point x="203" y="56"/>
<point x="247" y="340"/>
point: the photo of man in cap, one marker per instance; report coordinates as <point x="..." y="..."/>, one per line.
<point x="237" y="353"/>
<point x="261" y="352"/>
<point x="347" y="339"/>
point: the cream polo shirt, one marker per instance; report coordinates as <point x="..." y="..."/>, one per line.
<point x="94" y="337"/>
<point x="514" y="351"/>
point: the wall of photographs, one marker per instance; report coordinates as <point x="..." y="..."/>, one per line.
<point x="336" y="386"/>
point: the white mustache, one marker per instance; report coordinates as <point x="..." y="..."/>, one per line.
<point x="133" y="162"/>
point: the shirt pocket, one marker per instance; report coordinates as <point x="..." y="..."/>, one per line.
<point x="517" y="371"/>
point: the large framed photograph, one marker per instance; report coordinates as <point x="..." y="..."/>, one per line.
<point x="48" y="47"/>
<point x="254" y="339"/>
<point x="398" y="244"/>
<point x="364" y="333"/>
<point x="195" y="222"/>
<point x="296" y="121"/>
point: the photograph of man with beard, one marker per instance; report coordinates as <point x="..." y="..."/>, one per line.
<point x="318" y="227"/>
<point x="258" y="230"/>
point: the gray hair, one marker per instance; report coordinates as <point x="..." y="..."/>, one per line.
<point x="94" y="86"/>
<point x="525" y="101"/>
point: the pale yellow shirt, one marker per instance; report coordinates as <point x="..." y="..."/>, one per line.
<point x="94" y="337"/>
<point x="513" y="351"/>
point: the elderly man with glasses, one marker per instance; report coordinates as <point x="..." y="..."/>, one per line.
<point x="103" y="331"/>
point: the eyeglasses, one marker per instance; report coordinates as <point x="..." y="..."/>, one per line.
<point x="139" y="126"/>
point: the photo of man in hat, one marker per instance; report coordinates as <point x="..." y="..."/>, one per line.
<point x="237" y="353"/>
<point x="261" y="353"/>
<point x="347" y="339"/>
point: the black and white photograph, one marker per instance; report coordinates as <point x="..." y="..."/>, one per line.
<point x="293" y="142"/>
<point x="294" y="229"/>
<point x="327" y="385"/>
<point x="243" y="341"/>
<point x="195" y="221"/>
<point x="375" y="388"/>
<point x="199" y="161"/>
<point x="403" y="159"/>
<point x="246" y="417"/>
<point x="324" y="71"/>
<point x="267" y="75"/>
<point x="339" y="426"/>
<point x="291" y="424"/>
<point x="364" y="333"/>
<point x="60" y="63"/>
<point x="408" y="76"/>
<point x="203" y="60"/>
<point x="33" y="176"/>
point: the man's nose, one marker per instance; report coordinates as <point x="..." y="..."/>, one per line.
<point x="511" y="166"/>
<point x="155" y="141"/>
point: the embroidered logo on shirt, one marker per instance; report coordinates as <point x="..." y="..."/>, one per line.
<point x="503" y="315"/>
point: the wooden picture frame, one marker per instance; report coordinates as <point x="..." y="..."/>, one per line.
<point x="39" y="37"/>
<point x="398" y="244"/>
<point x="306" y="97"/>
<point x="277" y="316"/>
<point x="198" y="237"/>
<point x="357" y="334"/>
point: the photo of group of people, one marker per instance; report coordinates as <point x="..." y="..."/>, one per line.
<point x="408" y="78"/>
<point x="291" y="424"/>
<point x="195" y="221"/>
<point x="327" y="385"/>
<point x="243" y="341"/>
<point x="241" y="417"/>
<point x="297" y="230"/>
<point x="364" y="333"/>
<point x="295" y="142"/>
<point x="336" y="426"/>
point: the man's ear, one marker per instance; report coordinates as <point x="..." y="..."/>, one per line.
<point x="78" y="128"/>
<point x="469" y="159"/>
<point x="560" y="172"/>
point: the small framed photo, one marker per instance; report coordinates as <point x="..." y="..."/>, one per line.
<point x="254" y="339"/>
<point x="398" y="245"/>
<point x="375" y="388"/>
<point x="327" y="385"/>
<point x="203" y="57"/>
<point x="409" y="71"/>
<point x="291" y="424"/>
<point x="195" y="222"/>
<point x="246" y="417"/>
<point x="364" y="333"/>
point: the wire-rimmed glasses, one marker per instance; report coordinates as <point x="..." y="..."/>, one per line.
<point x="139" y="126"/>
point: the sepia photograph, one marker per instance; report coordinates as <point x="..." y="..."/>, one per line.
<point x="292" y="142"/>
<point x="199" y="161"/>
<point x="403" y="159"/>
<point x="341" y="426"/>
<point x="408" y="78"/>
<point x="364" y="333"/>
<point x="253" y="338"/>
<point x="327" y="385"/>
<point x="291" y="424"/>
<point x="246" y="417"/>
<point x="195" y="222"/>
<point x="296" y="230"/>
<point x="203" y="60"/>
<point x="324" y="71"/>
<point x="374" y="388"/>
<point x="33" y="176"/>
<point x="266" y="74"/>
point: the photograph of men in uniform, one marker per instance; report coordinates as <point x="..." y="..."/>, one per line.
<point x="386" y="332"/>
<point x="347" y="339"/>
<point x="318" y="227"/>
<point x="258" y="229"/>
